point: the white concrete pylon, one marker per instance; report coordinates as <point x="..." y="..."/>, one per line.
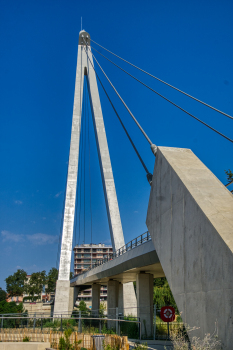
<point x="83" y="66"/>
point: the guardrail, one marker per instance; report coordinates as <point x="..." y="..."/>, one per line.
<point x="145" y="237"/>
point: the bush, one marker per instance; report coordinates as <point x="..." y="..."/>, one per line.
<point x="105" y="330"/>
<point x="129" y="328"/>
<point x="26" y="339"/>
<point x="139" y="346"/>
<point x="180" y="340"/>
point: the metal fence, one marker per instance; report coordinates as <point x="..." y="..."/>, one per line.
<point x="86" y="323"/>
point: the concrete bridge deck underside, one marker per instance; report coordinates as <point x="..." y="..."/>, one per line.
<point x="124" y="268"/>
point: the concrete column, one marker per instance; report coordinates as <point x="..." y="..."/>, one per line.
<point x="112" y="302"/>
<point x="120" y="299"/>
<point x="65" y="298"/>
<point x="129" y="299"/>
<point x="144" y="285"/>
<point x="95" y="298"/>
<point x="127" y="302"/>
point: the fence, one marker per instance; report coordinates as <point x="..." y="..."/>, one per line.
<point x="83" y="324"/>
<point x="87" y="340"/>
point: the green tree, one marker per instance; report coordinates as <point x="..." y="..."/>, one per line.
<point x="2" y="294"/>
<point x="51" y="280"/>
<point x="35" y="284"/>
<point x="71" y="275"/>
<point x="15" y="283"/>
<point x="83" y="308"/>
<point x="12" y="307"/>
<point x="162" y="293"/>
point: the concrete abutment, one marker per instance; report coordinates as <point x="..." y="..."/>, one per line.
<point x="190" y="219"/>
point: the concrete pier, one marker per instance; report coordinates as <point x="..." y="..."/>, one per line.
<point x="112" y="302"/>
<point x="95" y="298"/>
<point x="144" y="285"/>
<point x="190" y="219"/>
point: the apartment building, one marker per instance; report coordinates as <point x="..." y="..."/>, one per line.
<point x="86" y="255"/>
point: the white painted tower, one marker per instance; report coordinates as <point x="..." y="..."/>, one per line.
<point x="64" y="294"/>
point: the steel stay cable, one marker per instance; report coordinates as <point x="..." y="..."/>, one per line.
<point x="164" y="82"/>
<point x="84" y="168"/>
<point x="132" y="143"/>
<point x="165" y="98"/>
<point x="80" y="202"/>
<point x="149" y="175"/>
<point x="153" y="147"/>
<point x="89" y="148"/>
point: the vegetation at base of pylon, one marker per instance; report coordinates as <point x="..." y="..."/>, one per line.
<point x="180" y="340"/>
<point x="162" y="293"/>
<point x="2" y="295"/>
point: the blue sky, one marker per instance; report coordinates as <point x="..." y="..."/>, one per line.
<point x="186" y="43"/>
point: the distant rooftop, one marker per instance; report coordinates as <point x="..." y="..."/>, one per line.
<point x="92" y="245"/>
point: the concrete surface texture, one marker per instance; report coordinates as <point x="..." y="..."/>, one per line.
<point x="190" y="219"/>
<point x="113" y="212"/>
<point x="65" y="298"/>
<point x="144" y="285"/>
<point x="68" y="220"/>
<point x="112" y="302"/>
<point x="24" y="346"/>
<point x="95" y="297"/>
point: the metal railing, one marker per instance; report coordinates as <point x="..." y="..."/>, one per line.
<point x="89" y="323"/>
<point x="145" y="237"/>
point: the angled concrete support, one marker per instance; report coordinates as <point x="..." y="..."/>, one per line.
<point x="190" y="219"/>
<point x="144" y="285"/>
<point x="95" y="298"/>
<point x="62" y="292"/>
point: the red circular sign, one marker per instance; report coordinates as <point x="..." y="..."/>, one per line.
<point x="167" y="313"/>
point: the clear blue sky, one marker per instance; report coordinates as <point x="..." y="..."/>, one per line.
<point x="186" y="43"/>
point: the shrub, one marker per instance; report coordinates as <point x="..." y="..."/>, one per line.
<point x="26" y="339"/>
<point x="180" y="340"/>
<point x="139" y="346"/>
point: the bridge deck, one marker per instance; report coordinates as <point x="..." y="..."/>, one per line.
<point x="124" y="268"/>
